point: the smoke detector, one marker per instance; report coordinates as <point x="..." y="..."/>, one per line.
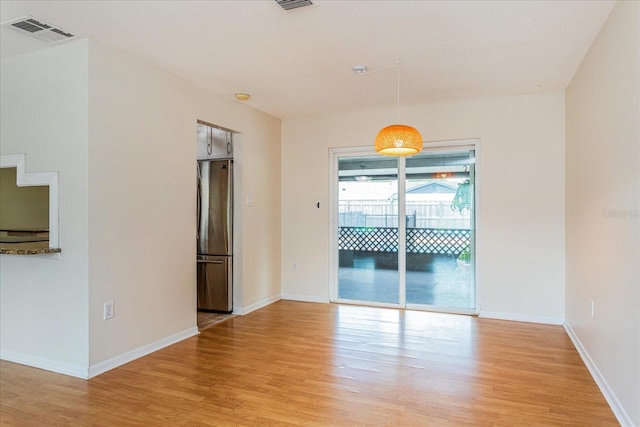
<point x="38" y="29"/>
<point x="293" y="4"/>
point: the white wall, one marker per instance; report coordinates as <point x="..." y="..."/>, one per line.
<point x="142" y="200"/>
<point x="520" y="215"/>
<point x="141" y="204"/>
<point x="602" y="203"/>
<point x="44" y="300"/>
<point x="122" y="133"/>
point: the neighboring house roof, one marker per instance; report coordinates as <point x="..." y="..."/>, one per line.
<point x="434" y="188"/>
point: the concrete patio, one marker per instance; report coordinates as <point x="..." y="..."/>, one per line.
<point x="441" y="283"/>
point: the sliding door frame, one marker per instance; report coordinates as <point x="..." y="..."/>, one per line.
<point x="334" y="155"/>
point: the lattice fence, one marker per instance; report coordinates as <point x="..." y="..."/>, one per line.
<point x="371" y="239"/>
<point x="419" y="240"/>
<point x="437" y="241"/>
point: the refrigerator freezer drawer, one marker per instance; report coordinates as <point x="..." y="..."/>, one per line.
<point x="214" y="283"/>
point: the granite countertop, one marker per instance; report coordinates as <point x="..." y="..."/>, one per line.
<point x="27" y="248"/>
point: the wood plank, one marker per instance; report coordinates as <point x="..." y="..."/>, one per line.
<point x="294" y="363"/>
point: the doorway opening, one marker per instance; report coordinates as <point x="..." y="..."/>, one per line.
<point x="405" y="228"/>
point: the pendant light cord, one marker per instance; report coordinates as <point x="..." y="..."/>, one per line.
<point x="363" y="70"/>
<point x="398" y="78"/>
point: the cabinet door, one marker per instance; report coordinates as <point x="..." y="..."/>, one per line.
<point x="213" y="143"/>
<point x="202" y="140"/>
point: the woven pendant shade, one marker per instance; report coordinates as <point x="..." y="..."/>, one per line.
<point x="398" y="140"/>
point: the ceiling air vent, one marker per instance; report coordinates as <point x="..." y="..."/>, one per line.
<point x="38" y="29"/>
<point x="293" y="4"/>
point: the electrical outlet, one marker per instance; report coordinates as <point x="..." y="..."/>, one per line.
<point x="593" y="308"/>
<point x="295" y="265"/>
<point x="108" y="311"/>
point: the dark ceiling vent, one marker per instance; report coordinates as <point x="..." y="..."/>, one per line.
<point x="38" y="29"/>
<point x="293" y="4"/>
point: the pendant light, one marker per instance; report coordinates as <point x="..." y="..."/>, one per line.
<point x="398" y="139"/>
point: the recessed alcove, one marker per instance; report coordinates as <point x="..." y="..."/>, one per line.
<point x="28" y="209"/>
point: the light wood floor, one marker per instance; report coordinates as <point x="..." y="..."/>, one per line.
<point x="295" y="363"/>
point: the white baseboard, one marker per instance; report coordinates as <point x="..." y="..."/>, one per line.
<point x="258" y="305"/>
<point x="609" y="395"/>
<point x="305" y="298"/>
<point x="515" y="317"/>
<point x="114" y="362"/>
<point x="77" y="371"/>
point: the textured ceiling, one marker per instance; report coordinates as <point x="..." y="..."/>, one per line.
<point x="298" y="63"/>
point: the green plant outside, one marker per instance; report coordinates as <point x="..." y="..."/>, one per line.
<point x="465" y="256"/>
<point x="461" y="200"/>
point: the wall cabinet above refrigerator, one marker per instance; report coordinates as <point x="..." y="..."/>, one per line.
<point x="213" y="142"/>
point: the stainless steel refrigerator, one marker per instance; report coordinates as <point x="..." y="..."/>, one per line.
<point x="215" y="235"/>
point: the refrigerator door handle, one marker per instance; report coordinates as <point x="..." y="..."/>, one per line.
<point x="216" y="261"/>
<point x="198" y="200"/>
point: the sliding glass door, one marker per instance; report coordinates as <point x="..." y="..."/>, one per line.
<point x="440" y="229"/>
<point x="405" y="229"/>
<point x="368" y="229"/>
